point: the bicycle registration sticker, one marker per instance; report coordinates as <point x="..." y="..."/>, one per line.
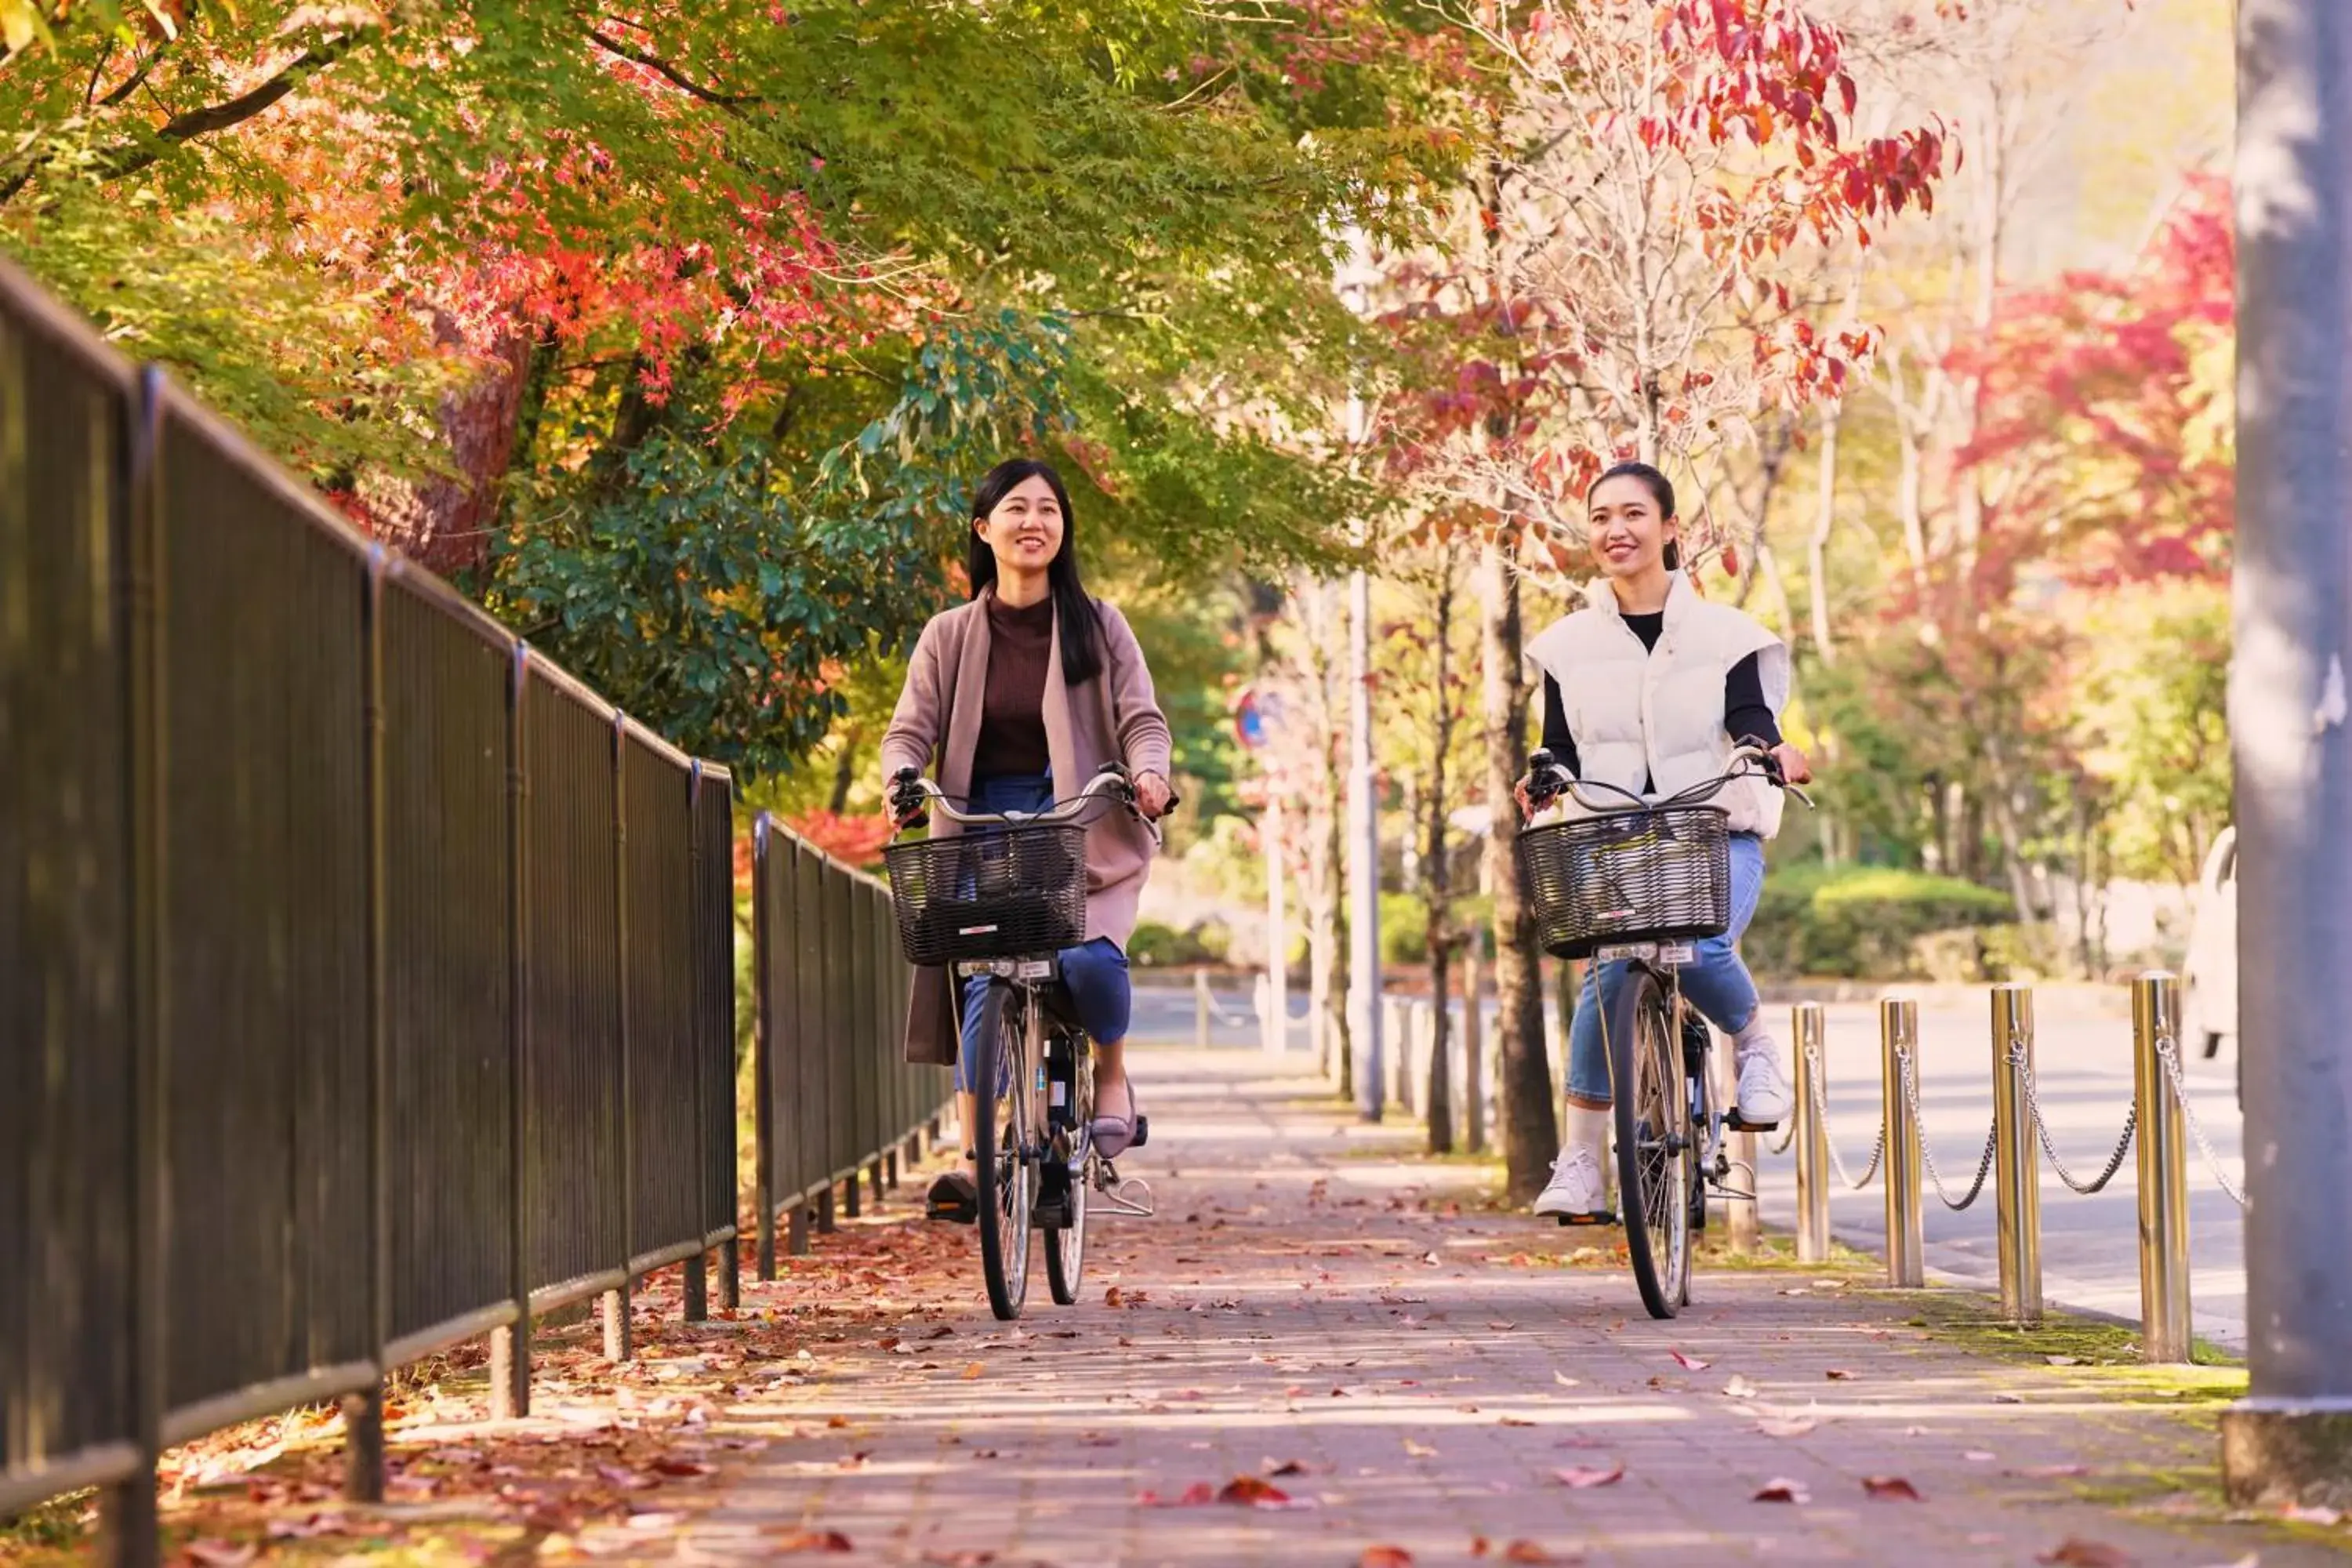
<point x="976" y="931"/>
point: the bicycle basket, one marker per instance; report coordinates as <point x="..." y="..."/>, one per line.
<point x="1013" y="892"/>
<point x="1628" y="877"/>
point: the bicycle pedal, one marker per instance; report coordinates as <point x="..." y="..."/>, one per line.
<point x="1142" y="1132"/>
<point x="1591" y="1221"/>
<point x="1732" y="1123"/>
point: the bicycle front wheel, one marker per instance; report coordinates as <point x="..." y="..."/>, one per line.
<point x="1655" y="1154"/>
<point x="1008" y="1134"/>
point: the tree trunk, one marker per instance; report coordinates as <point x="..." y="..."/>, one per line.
<point x="1473" y="1050"/>
<point x="1816" y="548"/>
<point x="1437" y="880"/>
<point x="1530" y="1130"/>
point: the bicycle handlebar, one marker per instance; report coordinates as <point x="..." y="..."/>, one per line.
<point x="911" y="794"/>
<point x="1548" y="781"/>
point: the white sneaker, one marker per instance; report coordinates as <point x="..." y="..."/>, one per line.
<point x="1576" y="1189"/>
<point x="1764" y="1099"/>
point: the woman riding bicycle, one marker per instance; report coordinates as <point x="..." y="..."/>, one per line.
<point x="1649" y="689"/>
<point x="1031" y="683"/>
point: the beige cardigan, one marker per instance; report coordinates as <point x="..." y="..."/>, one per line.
<point x="1114" y="717"/>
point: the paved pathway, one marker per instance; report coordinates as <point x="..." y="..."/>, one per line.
<point x="1407" y="1372"/>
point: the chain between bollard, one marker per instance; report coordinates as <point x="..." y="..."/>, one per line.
<point x="1821" y="1109"/>
<point x="2168" y="1051"/>
<point x="2049" y="1146"/>
<point x="1926" y="1155"/>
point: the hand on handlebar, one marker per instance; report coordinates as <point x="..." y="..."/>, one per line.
<point x="1153" y="797"/>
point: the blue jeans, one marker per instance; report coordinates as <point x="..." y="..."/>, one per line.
<point x="1094" y="973"/>
<point x="1715" y="982"/>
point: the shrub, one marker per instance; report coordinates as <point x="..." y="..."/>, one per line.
<point x="1865" y="922"/>
<point x="1156" y="945"/>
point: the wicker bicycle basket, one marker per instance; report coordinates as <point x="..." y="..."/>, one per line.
<point x="1628" y="877"/>
<point x="1016" y="892"/>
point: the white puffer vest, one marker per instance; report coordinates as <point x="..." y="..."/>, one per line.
<point x="1638" y="713"/>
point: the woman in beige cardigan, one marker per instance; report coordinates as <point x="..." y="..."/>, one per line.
<point x="1030" y="686"/>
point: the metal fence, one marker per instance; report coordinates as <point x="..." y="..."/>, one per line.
<point x="2160" y="1120"/>
<point x="366" y="981"/>
<point x="834" y="1100"/>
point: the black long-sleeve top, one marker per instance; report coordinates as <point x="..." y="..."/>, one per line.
<point x="1746" y="715"/>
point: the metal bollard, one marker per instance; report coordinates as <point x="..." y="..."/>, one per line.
<point x="1813" y="1138"/>
<point x="2017" y="1166"/>
<point x="2165" y="1331"/>
<point x="1200" y="1009"/>
<point x="1898" y="1033"/>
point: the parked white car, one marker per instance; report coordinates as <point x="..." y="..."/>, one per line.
<point x="2209" y="978"/>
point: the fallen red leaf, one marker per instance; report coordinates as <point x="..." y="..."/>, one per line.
<point x="813" y="1541"/>
<point x="1891" y="1489"/>
<point x="1691" y="1363"/>
<point x="1252" y="1491"/>
<point x="1783" y="1491"/>
<point x="1527" y="1551"/>
<point x="1285" y="1468"/>
<point x="1583" y="1478"/>
<point x="683" y="1467"/>
<point x="1839" y="1374"/>
<point x="1385" y="1557"/>
<point x="2076" y="1552"/>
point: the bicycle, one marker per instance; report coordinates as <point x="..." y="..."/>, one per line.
<point x="1641" y="884"/>
<point x="1003" y="902"/>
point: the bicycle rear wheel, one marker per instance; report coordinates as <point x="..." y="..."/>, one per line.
<point x="1065" y="1244"/>
<point x="1007" y="1135"/>
<point x="1655" y="1154"/>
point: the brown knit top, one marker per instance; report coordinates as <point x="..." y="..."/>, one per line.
<point x="1012" y="717"/>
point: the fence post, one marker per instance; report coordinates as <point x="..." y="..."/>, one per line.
<point x="763" y="1051"/>
<point x="616" y="1304"/>
<point x="2165" y="1331"/>
<point x="2017" y="1168"/>
<point x="510" y="1346"/>
<point x="694" y="1273"/>
<point x="1200" y="1009"/>
<point x="363" y="1411"/>
<point x="1813" y="1140"/>
<point x="1898" y="1032"/>
<point x="128" y="1511"/>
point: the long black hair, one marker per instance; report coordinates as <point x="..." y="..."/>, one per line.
<point x="1662" y="490"/>
<point x="1081" y="632"/>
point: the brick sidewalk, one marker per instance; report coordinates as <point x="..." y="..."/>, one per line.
<point x="1414" y="1375"/>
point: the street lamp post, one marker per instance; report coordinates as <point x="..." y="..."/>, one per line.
<point x="2291" y="1440"/>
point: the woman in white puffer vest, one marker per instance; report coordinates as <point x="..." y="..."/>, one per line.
<point x="1649" y="687"/>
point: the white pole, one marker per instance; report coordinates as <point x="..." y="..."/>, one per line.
<point x="1277" y="932"/>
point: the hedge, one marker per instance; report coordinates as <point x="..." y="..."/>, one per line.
<point x="1860" y="922"/>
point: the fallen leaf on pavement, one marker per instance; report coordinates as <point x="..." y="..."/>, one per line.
<point x="1528" y="1552"/>
<point x="222" y="1553"/>
<point x="1979" y="1457"/>
<point x="683" y="1467"/>
<point x="1839" y="1374"/>
<point x="1198" y="1495"/>
<point x="1891" y="1489"/>
<point x="1691" y="1363"/>
<point x="1583" y="1477"/>
<point x="1252" y="1491"/>
<point x="1419" y="1450"/>
<point x="1565" y="1381"/>
<point x="1738" y="1388"/>
<point x="1795" y="1426"/>
<point x="1114" y="1297"/>
<point x="2063" y="1360"/>
<point x="2328" y="1517"/>
<point x="2076" y="1552"/>
<point x="1285" y="1468"/>
<point x="975" y="1370"/>
<point x="1783" y="1491"/>
<point x="2008" y="1399"/>
<point x="813" y="1541"/>
<point x="1385" y="1557"/>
